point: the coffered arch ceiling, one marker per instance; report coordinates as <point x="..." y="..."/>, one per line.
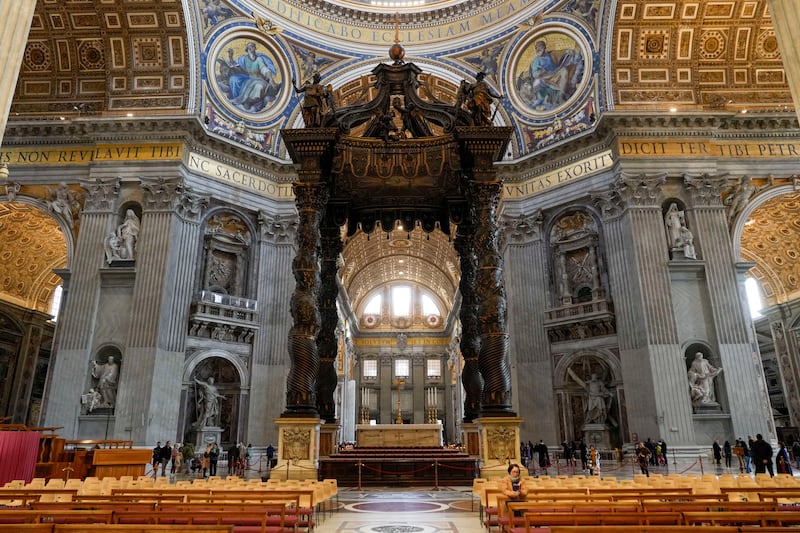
<point x="685" y="54"/>
<point x="771" y="240"/>
<point x="372" y="260"/>
<point x="110" y="57"/>
<point x="33" y="245"/>
<point x="90" y="58"/>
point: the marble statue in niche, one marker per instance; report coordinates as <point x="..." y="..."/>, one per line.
<point x="227" y="244"/>
<point x="679" y="237"/>
<point x="105" y="375"/>
<point x="701" y="375"/>
<point x="121" y="243"/>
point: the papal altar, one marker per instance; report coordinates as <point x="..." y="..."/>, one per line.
<point x="398" y="435"/>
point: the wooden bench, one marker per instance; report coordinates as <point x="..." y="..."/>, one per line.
<point x="279" y="513"/>
<point x="136" y="528"/>
<point x="512" y="513"/>
<point x="759" y="518"/>
<point x="532" y="521"/>
<point x="242" y="522"/>
<point x="21" y="497"/>
<point x="648" y="529"/>
<point x="37" y="516"/>
<point x="95" y="506"/>
<point x="706" y="505"/>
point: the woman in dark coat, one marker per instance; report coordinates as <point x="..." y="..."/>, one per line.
<point x="717" y="452"/>
<point x="782" y="463"/>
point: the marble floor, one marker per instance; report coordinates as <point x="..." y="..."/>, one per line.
<point x="406" y="510"/>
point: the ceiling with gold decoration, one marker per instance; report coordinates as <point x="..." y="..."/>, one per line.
<point x="87" y="59"/>
<point x="33" y="245"/>
<point x="770" y="239"/>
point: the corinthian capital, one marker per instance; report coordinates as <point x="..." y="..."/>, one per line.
<point x="160" y="194"/>
<point x="277" y="229"/>
<point x="522" y="229"/>
<point x="640" y="190"/>
<point x="190" y="205"/>
<point x="705" y="190"/>
<point x="609" y="202"/>
<point x="101" y="193"/>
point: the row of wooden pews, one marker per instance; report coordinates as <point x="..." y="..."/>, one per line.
<point x="232" y="504"/>
<point x="424" y="465"/>
<point x="671" y="501"/>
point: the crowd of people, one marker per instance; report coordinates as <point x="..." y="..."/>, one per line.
<point x="183" y="459"/>
<point x="757" y="454"/>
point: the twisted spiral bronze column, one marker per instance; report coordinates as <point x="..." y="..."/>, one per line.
<point x="310" y="199"/>
<point x="470" y="344"/>
<point x="490" y="289"/>
<point x="327" y="345"/>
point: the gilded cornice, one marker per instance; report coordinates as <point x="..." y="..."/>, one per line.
<point x="354" y="15"/>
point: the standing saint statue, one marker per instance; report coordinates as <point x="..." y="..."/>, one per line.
<point x="673" y="222"/>
<point x="107" y="375"/>
<point x="121" y="243"/>
<point x="701" y="376"/>
<point x="479" y="98"/>
<point x="207" y="401"/>
<point x="597" y="398"/>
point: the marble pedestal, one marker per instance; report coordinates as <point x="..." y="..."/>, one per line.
<point x="499" y="446"/>
<point x="597" y="434"/>
<point x="298" y="448"/>
<point x="207" y="435"/>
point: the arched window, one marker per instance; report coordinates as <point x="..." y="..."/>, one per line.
<point x="402" y="306"/>
<point x="429" y="307"/>
<point x="55" y="303"/>
<point x="373" y="307"/>
<point x="754" y="300"/>
<point x="401" y="301"/>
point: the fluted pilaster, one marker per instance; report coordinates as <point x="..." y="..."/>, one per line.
<point x="154" y="354"/>
<point x="275" y="286"/>
<point x="786" y="19"/>
<point x="15" y="23"/>
<point x="640" y="286"/>
<point x="747" y="403"/>
<point x="79" y="311"/>
<point x="185" y="247"/>
<point x="526" y="276"/>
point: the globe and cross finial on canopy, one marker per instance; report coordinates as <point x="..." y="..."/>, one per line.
<point x="396" y="51"/>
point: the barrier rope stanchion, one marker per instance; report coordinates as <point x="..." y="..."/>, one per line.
<point x="700" y="460"/>
<point x="359" y="464"/>
<point x="436" y="475"/>
<point x="688" y="468"/>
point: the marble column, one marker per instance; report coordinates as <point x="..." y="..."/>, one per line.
<point x="639" y="279"/>
<point x="15" y="23"/>
<point x="70" y="365"/>
<point x="786" y="20"/>
<point x="527" y="278"/>
<point x="742" y="372"/>
<point x="418" y="387"/>
<point x="166" y="257"/>
<point x="25" y="368"/>
<point x="273" y="290"/>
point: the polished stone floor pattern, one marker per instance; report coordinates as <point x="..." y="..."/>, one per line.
<point x="411" y="510"/>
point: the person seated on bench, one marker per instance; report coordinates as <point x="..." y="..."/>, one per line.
<point x="513" y="487"/>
